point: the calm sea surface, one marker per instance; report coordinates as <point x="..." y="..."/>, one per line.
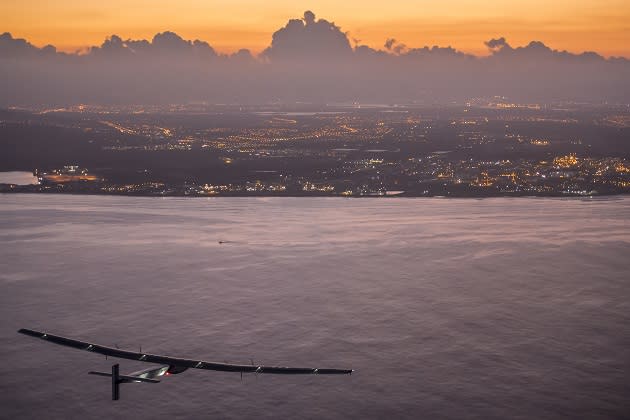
<point x="495" y="308"/>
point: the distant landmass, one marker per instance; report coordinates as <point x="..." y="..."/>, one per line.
<point x="475" y="149"/>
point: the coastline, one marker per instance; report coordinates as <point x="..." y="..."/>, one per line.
<point x="12" y="191"/>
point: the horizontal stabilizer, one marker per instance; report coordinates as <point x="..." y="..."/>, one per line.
<point x="125" y="378"/>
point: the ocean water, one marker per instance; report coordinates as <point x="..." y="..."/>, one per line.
<point x="495" y="308"/>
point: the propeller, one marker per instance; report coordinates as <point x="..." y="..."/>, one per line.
<point x="256" y="371"/>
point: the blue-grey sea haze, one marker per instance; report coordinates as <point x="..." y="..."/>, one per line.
<point x="494" y="308"/>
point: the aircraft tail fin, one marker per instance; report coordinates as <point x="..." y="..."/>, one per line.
<point x="118" y="379"/>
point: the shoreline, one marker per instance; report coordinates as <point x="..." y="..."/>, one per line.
<point x="365" y="196"/>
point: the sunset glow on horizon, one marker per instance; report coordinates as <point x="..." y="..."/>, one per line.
<point x="580" y="25"/>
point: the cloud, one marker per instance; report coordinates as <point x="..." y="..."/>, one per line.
<point x="497" y="44"/>
<point x="394" y="46"/>
<point x="243" y="54"/>
<point x="436" y="52"/>
<point x="310" y="60"/>
<point x="165" y="46"/>
<point x="141" y="46"/>
<point x="308" y="39"/>
<point x="112" y="46"/>
<point x="170" y="41"/>
<point x="309" y="17"/>
<point x="12" y="47"/>
<point x="537" y="51"/>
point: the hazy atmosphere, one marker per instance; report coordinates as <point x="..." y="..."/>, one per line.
<point x="309" y="59"/>
<point x="576" y="26"/>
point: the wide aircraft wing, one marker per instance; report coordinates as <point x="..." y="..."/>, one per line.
<point x="178" y="364"/>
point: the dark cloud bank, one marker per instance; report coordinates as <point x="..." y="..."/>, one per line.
<point x="309" y="60"/>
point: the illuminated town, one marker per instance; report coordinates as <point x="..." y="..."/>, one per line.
<point x="483" y="147"/>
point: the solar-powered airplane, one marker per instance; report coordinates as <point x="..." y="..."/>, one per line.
<point x="169" y="365"/>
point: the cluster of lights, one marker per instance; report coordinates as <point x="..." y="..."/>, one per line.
<point x="567" y="161"/>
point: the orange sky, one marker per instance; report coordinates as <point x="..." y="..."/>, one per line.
<point x="575" y="25"/>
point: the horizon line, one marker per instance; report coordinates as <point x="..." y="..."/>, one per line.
<point x="86" y="49"/>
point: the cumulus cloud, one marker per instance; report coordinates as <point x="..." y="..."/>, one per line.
<point x="15" y="47"/>
<point x="394" y="46"/>
<point x="497" y="44"/>
<point x="309" y="59"/>
<point x="309" y="17"/>
<point x="165" y="45"/>
<point x="308" y="39"/>
<point x="537" y="52"/>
